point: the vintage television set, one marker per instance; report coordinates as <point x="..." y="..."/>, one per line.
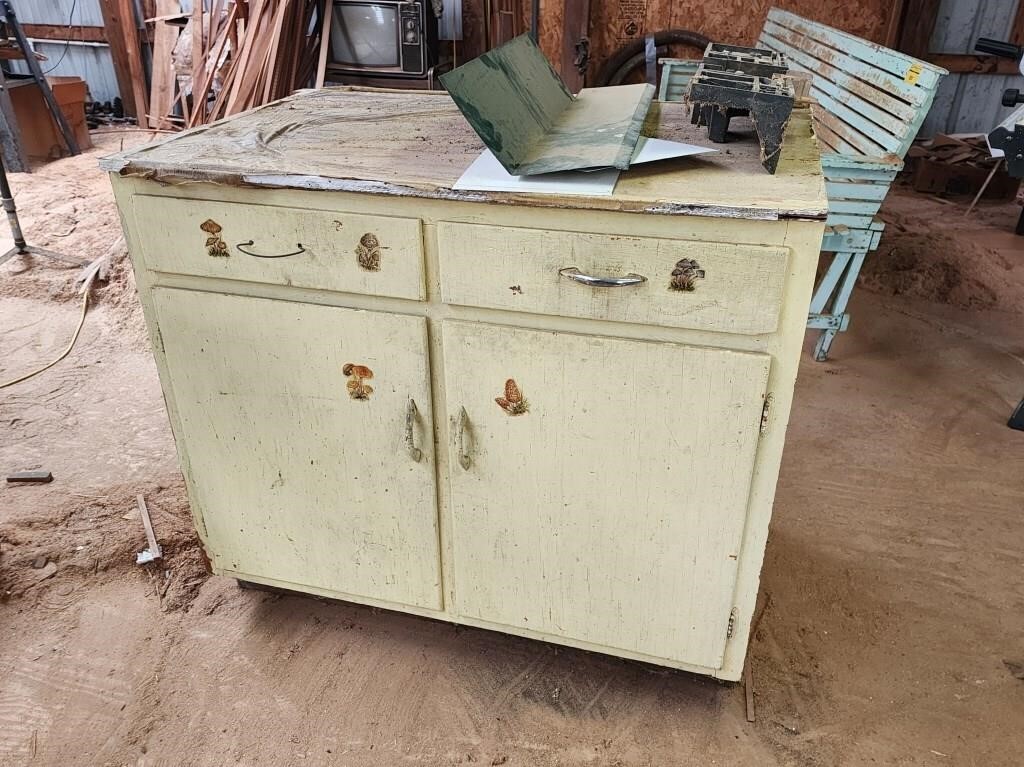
<point x="373" y="40"/>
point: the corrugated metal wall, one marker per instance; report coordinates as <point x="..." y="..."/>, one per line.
<point x="970" y="103"/>
<point x="90" y="61"/>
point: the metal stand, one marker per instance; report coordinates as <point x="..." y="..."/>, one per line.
<point x="22" y="248"/>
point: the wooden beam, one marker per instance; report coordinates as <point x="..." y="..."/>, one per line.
<point x="919" y="17"/>
<point x="133" y="50"/>
<point x="575" y="33"/>
<point x="894" y="25"/>
<point x="119" y="55"/>
<point x="63" y="32"/>
<point x="965" y="63"/>
<point x="1017" y="29"/>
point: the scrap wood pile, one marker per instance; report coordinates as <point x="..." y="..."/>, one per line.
<point x="954" y="149"/>
<point x="959" y="163"/>
<point x="232" y="56"/>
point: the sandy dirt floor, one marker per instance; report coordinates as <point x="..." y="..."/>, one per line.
<point x="894" y="626"/>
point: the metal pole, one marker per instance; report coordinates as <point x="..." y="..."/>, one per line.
<point x="20" y="246"/>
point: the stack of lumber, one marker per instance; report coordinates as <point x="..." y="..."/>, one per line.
<point x="955" y="149"/>
<point x="959" y="164"/>
<point x="232" y="56"/>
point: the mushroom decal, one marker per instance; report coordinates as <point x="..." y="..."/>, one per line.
<point x="215" y="246"/>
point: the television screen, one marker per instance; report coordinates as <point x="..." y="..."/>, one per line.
<point x="365" y="35"/>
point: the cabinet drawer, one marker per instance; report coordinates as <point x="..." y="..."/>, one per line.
<point x="283" y="246"/>
<point x="723" y="287"/>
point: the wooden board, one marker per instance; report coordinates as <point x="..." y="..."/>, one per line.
<point x="406" y="144"/>
<point x="599" y="513"/>
<point x="133" y="50"/>
<point x="615" y="23"/>
<point x="288" y="471"/>
<point x="522" y="111"/>
<point x="161" y="96"/>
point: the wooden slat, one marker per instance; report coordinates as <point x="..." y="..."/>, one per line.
<point x="847" y="83"/>
<point x="895" y="86"/>
<point x="881" y="164"/>
<point x="884" y="59"/>
<point x="862" y="175"/>
<point x="856" y="207"/>
<point x="829" y="138"/>
<point x="862" y="221"/>
<point x="861" y="144"/>
<point x="840" y="190"/>
<point x="886" y="141"/>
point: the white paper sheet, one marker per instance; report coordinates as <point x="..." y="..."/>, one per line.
<point x="651" y="149"/>
<point x="486" y="173"/>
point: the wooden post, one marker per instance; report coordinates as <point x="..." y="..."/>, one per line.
<point x="919" y="17"/>
<point x="130" y="31"/>
<point x="575" y="32"/>
<point x="1017" y="30"/>
<point x="10" y="137"/>
<point x="119" y="54"/>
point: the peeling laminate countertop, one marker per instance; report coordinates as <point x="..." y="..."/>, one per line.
<point x="418" y="144"/>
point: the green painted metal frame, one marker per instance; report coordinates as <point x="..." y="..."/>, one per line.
<point x="872" y="101"/>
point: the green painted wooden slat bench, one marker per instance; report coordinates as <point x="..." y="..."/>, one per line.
<point x="871" y="103"/>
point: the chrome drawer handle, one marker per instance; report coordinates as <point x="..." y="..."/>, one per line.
<point x="464" y="460"/>
<point x="243" y="245"/>
<point x="410" y="424"/>
<point x="601" y="282"/>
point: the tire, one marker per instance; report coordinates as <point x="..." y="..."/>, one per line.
<point x="629" y="56"/>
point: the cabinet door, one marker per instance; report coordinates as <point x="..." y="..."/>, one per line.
<point x="602" y="495"/>
<point x="301" y="439"/>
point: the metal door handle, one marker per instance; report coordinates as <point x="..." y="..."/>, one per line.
<point x="464" y="460"/>
<point x="410" y="424"/>
<point x="243" y="245"/>
<point x="601" y="282"/>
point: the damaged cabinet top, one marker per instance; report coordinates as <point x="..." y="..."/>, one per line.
<point x="417" y="144"/>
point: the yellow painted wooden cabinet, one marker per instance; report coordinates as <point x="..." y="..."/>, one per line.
<point x="562" y="421"/>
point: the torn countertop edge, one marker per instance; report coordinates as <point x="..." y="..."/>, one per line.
<point x="363" y="186"/>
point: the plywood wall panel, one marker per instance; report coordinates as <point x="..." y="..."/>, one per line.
<point x="615" y="23"/>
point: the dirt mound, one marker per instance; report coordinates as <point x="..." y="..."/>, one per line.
<point x="934" y="267"/>
<point x="66" y="549"/>
<point x="930" y="250"/>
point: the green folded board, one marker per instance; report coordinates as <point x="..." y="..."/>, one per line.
<point x="525" y="115"/>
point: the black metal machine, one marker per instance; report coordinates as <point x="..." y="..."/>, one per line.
<point x="1008" y="138"/>
<point x="734" y="81"/>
